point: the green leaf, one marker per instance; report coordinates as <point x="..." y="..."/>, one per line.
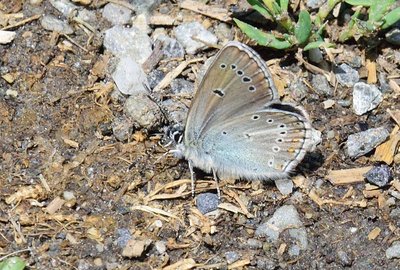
<point x="13" y="263"/>
<point x="284" y="5"/>
<point x="261" y="37"/>
<point x="318" y="44"/>
<point x="365" y="3"/>
<point x="378" y="10"/>
<point x="259" y="6"/>
<point x="391" y="18"/>
<point x="303" y="27"/>
<point x="272" y="7"/>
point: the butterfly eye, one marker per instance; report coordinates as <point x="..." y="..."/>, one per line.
<point x="233" y="67"/>
<point x="246" y="79"/>
<point x="223" y="66"/>
<point x="239" y="72"/>
<point x="252" y="88"/>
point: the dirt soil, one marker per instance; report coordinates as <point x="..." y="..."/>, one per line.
<point x="68" y="199"/>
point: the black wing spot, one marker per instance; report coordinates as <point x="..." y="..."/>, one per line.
<point x="246" y="79"/>
<point x="239" y="72"/>
<point x="252" y="88"/>
<point x="224" y="132"/>
<point x="219" y="92"/>
<point x="223" y="66"/>
<point x="255" y="117"/>
<point x="233" y="66"/>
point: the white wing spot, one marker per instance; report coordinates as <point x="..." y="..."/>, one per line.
<point x="271" y="162"/>
<point x="276" y="149"/>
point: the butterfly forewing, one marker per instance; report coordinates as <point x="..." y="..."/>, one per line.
<point x="236" y="82"/>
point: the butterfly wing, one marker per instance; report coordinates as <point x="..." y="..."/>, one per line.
<point x="237" y="81"/>
<point x="267" y="143"/>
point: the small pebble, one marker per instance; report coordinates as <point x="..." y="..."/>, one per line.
<point x="393" y="251"/>
<point x="254" y="243"/>
<point x="315" y="55"/>
<point x="231" y="256"/>
<point x="321" y="85"/>
<point x="122" y="41"/>
<point x="135" y="248"/>
<point x="124" y="235"/>
<point x="116" y="14"/>
<point x="298" y="89"/>
<point x="182" y="86"/>
<point x="64" y="6"/>
<point x="129" y="76"/>
<point x="346" y="75"/>
<point x="6" y="36"/>
<point x="51" y="23"/>
<point x="68" y="195"/>
<point x="285" y="218"/>
<point x="285" y="186"/>
<point x="379" y="175"/>
<point x="315" y="3"/>
<point x="393" y="36"/>
<point x="366" y="97"/>
<point x="361" y="143"/>
<point x="207" y="202"/>
<point x="143" y="111"/>
<point x="345" y="258"/>
<point x="122" y="128"/>
<point x="186" y="31"/>
<point x="161" y="247"/>
<point x="171" y="47"/>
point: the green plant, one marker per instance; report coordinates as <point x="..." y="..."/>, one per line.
<point x="303" y="33"/>
<point x="379" y="17"/>
<point x="12" y="263"/>
<point x="308" y="32"/>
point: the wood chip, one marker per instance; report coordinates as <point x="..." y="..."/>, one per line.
<point x="394" y="86"/>
<point x="396" y="184"/>
<point x="372" y="193"/>
<point x="221" y="14"/>
<point x="374" y="233"/>
<point x="395" y="114"/>
<point x="347" y="176"/>
<point x="161" y="19"/>
<point x="239" y="264"/>
<point x="386" y="151"/>
<point x="182" y="265"/>
<point x="231" y="208"/>
<point x="371" y="67"/>
<point x="174" y="73"/>
<point x="71" y="143"/>
<point x="55" y="205"/>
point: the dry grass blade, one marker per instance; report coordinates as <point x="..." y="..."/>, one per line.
<point x="212" y="12"/>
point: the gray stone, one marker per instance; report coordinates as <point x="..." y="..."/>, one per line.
<point x="379" y="175"/>
<point x="393" y="36"/>
<point x="64" y="6"/>
<point x="361" y="143"/>
<point x="284" y="218"/>
<point x="344" y="103"/>
<point x="88" y="16"/>
<point x="207" y="202"/>
<point x="185" y="32"/>
<point x="143" y="111"/>
<point x="294" y="251"/>
<point x="285" y="186"/>
<point x="122" y="128"/>
<point x="171" y="47"/>
<point x="231" y="256"/>
<point x="124" y="235"/>
<point x="345" y="258"/>
<point x="315" y="55"/>
<point x="254" y="243"/>
<point x="346" y="75"/>
<point x="223" y="32"/>
<point x="121" y="41"/>
<point x="393" y="251"/>
<point x="161" y="247"/>
<point x="321" y="85"/>
<point x="117" y="14"/>
<point x="154" y="77"/>
<point x="177" y="111"/>
<point x="145" y="6"/>
<point x="141" y="21"/>
<point x="129" y="76"/>
<point x="366" y="97"/>
<point x="298" y="89"/>
<point x="51" y="23"/>
<point x="182" y="86"/>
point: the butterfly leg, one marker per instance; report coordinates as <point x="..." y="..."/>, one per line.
<point x="191" y="175"/>
<point x="216" y="183"/>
